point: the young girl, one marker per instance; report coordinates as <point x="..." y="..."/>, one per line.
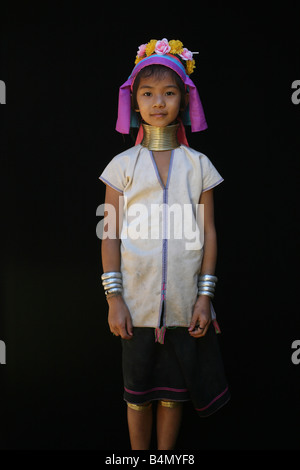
<point x="158" y="283"/>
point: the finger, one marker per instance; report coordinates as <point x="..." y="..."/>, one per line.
<point x="129" y="326"/>
<point x="192" y="324"/>
<point x="115" y="332"/>
<point x="112" y="329"/>
<point x="195" y="332"/>
<point x="123" y="333"/>
<point x="200" y="330"/>
<point x="203" y="329"/>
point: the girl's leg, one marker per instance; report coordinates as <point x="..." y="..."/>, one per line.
<point x="168" y="424"/>
<point x="139" y="419"/>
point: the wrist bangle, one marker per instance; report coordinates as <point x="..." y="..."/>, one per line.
<point x="208" y="277"/>
<point x="209" y="294"/>
<point x="113" y="290"/>
<point x="112" y="283"/>
<point x="206" y="289"/>
<point x="110" y="274"/>
<point x="207" y="285"/>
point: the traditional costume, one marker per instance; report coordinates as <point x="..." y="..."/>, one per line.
<point x="161" y="260"/>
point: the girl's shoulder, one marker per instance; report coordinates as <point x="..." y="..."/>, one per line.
<point x="129" y="153"/>
<point x="209" y="174"/>
<point x="192" y="153"/>
<point x="118" y="172"/>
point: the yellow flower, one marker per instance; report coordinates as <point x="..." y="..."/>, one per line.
<point x="150" y="48"/>
<point x="190" y="66"/>
<point x="138" y="59"/>
<point x="176" y="46"/>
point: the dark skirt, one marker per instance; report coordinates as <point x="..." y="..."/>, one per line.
<point x="183" y="368"/>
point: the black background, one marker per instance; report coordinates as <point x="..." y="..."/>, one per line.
<point x="62" y="64"/>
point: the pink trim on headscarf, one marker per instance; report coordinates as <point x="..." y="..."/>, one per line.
<point x="181" y="136"/>
<point x="197" y="117"/>
<point x="140" y="135"/>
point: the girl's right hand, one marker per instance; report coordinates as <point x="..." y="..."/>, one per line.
<point x="119" y="318"/>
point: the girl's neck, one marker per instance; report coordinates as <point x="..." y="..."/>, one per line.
<point x="160" y="138"/>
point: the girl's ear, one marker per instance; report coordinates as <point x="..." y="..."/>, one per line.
<point x="185" y="102"/>
<point x="132" y="104"/>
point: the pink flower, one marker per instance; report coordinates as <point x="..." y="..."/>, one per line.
<point x="186" y="54"/>
<point x="162" y="47"/>
<point x="141" y="50"/>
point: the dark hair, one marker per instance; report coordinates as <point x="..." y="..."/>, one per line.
<point x="159" y="72"/>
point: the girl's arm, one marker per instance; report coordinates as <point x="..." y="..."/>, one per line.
<point x="119" y="318"/>
<point x="201" y="315"/>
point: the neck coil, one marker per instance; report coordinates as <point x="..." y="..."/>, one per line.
<point x="160" y="138"/>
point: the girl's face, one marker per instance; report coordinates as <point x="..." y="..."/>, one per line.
<point x="158" y="100"/>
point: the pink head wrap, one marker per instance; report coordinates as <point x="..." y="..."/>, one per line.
<point x="195" y="109"/>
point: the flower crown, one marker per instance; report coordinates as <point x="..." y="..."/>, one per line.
<point x="164" y="46"/>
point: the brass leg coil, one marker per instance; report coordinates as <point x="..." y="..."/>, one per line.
<point x="169" y="404"/>
<point x="143" y="407"/>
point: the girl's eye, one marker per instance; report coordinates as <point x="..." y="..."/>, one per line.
<point x="147" y="93"/>
<point x="170" y="93"/>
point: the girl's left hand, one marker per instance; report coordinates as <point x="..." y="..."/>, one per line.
<point x="201" y="318"/>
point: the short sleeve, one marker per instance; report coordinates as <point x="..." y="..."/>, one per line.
<point x="210" y="175"/>
<point x="114" y="174"/>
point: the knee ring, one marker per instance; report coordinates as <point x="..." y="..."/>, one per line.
<point x="169" y="404"/>
<point x="143" y="407"/>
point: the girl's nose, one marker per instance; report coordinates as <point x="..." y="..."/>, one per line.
<point x="159" y="101"/>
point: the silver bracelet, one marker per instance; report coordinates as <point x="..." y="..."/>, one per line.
<point x="206" y="289"/>
<point x="113" y="286"/>
<point x="207" y="284"/>
<point x="112" y="282"/>
<point x="113" y="291"/>
<point x="210" y="294"/>
<point x="111" y="274"/>
<point x="208" y="277"/>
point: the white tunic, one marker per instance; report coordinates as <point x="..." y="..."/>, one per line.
<point x="161" y="259"/>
